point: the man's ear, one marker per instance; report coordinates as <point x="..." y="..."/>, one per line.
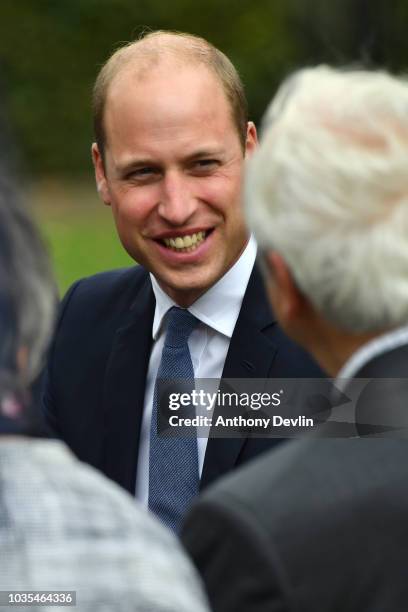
<point x="100" y="178"/>
<point x="287" y="300"/>
<point x="251" y="139"/>
<point x="22" y="360"/>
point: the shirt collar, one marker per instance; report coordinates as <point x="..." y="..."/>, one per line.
<point x="381" y="344"/>
<point x="219" y="306"/>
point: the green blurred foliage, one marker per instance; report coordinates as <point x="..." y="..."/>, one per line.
<point x="78" y="230"/>
<point x="50" y="52"/>
<point x="82" y="245"/>
<point x="367" y="32"/>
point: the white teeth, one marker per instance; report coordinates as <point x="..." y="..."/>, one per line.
<point x="185" y="243"/>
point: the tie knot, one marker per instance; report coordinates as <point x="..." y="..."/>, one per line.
<point x="179" y="327"/>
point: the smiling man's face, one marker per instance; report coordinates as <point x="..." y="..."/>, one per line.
<point x="172" y="175"/>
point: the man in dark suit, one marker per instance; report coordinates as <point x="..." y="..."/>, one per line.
<point x="321" y="524"/>
<point x="172" y="136"/>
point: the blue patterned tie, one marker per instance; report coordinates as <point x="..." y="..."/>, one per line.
<point x="173" y="462"/>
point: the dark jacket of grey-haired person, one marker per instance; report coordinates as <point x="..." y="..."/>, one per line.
<point x="321" y="525"/>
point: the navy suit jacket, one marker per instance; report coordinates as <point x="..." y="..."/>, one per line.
<point x="96" y="374"/>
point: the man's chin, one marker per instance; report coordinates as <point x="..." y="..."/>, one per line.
<point x="187" y="289"/>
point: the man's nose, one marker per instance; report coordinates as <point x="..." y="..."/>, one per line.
<point x="177" y="203"/>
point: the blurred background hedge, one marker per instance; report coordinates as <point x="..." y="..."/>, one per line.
<point x="51" y="50"/>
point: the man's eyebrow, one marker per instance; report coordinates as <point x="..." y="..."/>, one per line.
<point x="209" y="152"/>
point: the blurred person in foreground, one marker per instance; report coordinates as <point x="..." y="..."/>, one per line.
<point x="322" y="524"/>
<point x="172" y="137"/>
<point x="63" y="526"/>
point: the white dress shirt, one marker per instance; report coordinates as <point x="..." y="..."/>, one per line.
<point x="217" y="310"/>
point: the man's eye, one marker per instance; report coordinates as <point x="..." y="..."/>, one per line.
<point x="141" y="174"/>
<point x="143" y="171"/>
<point x="206" y="165"/>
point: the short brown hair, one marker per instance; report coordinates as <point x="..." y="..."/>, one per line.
<point x="151" y="47"/>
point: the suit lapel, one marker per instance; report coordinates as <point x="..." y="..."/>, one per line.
<point x="124" y="389"/>
<point x="250" y="355"/>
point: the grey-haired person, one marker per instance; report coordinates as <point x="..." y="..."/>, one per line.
<point x="321" y="524"/>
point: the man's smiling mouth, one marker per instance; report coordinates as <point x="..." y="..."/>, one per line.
<point x="185" y="244"/>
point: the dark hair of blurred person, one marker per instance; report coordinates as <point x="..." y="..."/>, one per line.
<point x="27" y="299"/>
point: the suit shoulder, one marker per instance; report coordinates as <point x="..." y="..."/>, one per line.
<point x="315" y="473"/>
<point x="116" y="287"/>
<point x="102" y="297"/>
<point x="112" y="281"/>
<point x="315" y="500"/>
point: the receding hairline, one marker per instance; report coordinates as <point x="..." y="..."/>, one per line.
<point x="158" y="48"/>
<point x="146" y="64"/>
<point x="159" y="45"/>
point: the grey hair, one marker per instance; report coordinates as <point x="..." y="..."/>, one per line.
<point x="328" y="190"/>
<point x="27" y="289"/>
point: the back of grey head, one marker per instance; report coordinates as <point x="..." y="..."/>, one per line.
<point x="328" y="190"/>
